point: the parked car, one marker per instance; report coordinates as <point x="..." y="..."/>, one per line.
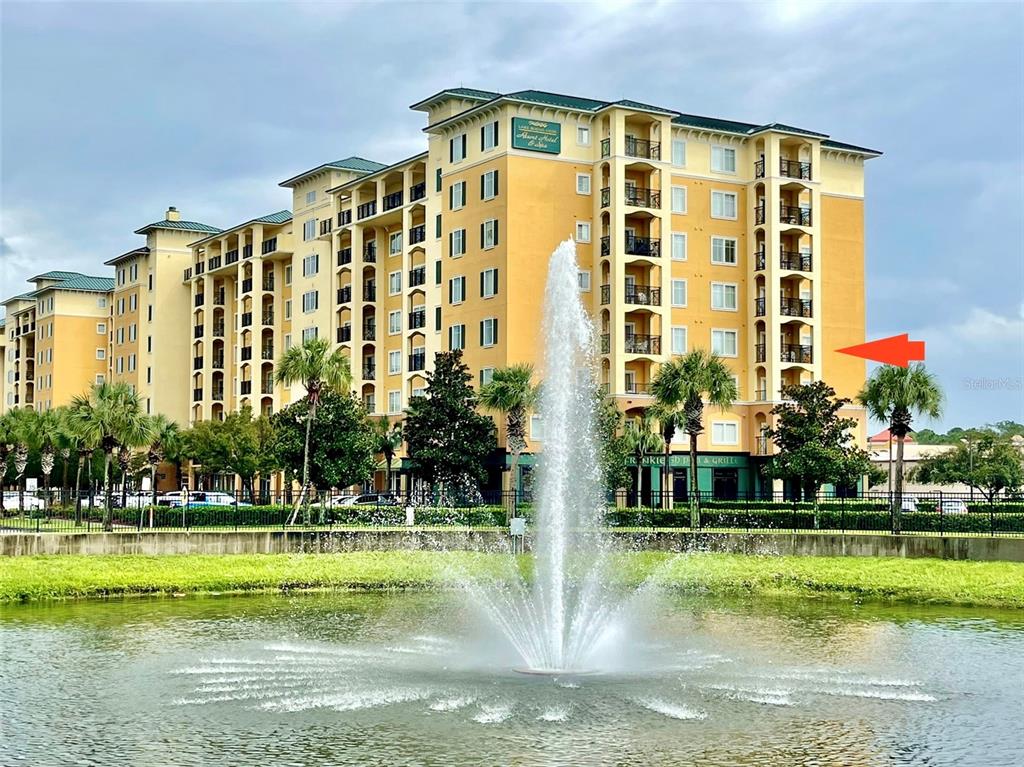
<point x="370" y="499"/>
<point x="138" y="499"/>
<point x="335" y="501"/>
<point x="198" y="498"/>
<point x="951" y="506"/>
<point x="909" y="504"/>
<point x="31" y="502"/>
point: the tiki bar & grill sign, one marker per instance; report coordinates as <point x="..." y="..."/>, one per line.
<point x="536" y="135"/>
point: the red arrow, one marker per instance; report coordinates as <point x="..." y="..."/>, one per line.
<point x="894" y="350"/>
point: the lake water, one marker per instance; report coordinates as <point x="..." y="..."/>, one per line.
<point x="406" y="679"/>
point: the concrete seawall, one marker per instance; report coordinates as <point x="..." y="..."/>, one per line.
<point x="334" y="541"/>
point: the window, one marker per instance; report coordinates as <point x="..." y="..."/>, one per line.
<point x="582" y="231"/>
<point x="288" y="274"/>
<point x="419" y="391"/>
<point x="679" y="199"/>
<point x="456" y="290"/>
<point x="149" y="344"/>
<point x="678" y="246"/>
<point x="723" y="159"/>
<point x="582" y="183"/>
<point x="394" y="283"/>
<point x="489" y="185"/>
<point x="489" y="233"/>
<point x="394" y="402"/>
<point x="584" y="280"/>
<point x="723" y="296"/>
<point x="310" y="265"/>
<point x="310" y="301"/>
<point x="395" y="243"/>
<point x="437" y="180"/>
<point x="308" y="334"/>
<point x="678" y="340"/>
<point x="149" y="313"/>
<point x="309" y="229"/>
<point x="678" y="292"/>
<point x="150" y="281"/>
<point x="120" y="306"/>
<point x="101" y="328"/>
<point x="133" y="302"/>
<point x="456" y="337"/>
<point x="489" y="331"/>
<point x="536" y="428"/>
<point x="437" y="272"/>
<point x="725" y="433"/>
<point x="457" y="243"/>
<point x="394" y="322"/>
<point x="489" y="136"/>
<point x="486" y="376"/>
<point x="288" y="341"/>
<point x="310" y="197"/>
<point x="457" y="148"/>
<point x="723" y="250"/>
<point x="394" y="362"/>
<point x="101" y="303"/>
<point x="678" y="152"/>
<point x="437" y="319"/>
<point x="132" y="332"/>
<point x="131" y="362"/>
<point x="723" y="342"/>
<point x="457" y="195"/>
<point x="118" y="335"/>
<point x="583" y="135"/>
<point x="119" y="365"/>
<point x="100" y="378"/>
<point x="288" y="309"/>
<point x="723" y="205"/>
<point x="437" y="226"/>
<point x="488" y="283"/>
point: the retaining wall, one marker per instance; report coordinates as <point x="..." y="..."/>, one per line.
<point x="294" y="541"/>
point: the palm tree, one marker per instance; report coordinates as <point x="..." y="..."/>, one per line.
<point x="165" y="441"/>
<point x="669" y="419"/>
<point x="895" y="395"/>
<point x="25" y="433"/>
<point x="388" y="436"/>
<point x="688" y="382"/>
<point x="318" y="369"/>
<point x="640" y="440"/>
<point x="6" y="449"/>
<point x="108" y="417"/>
<point x="49" y="433"/>
<point x="511" y="391"/>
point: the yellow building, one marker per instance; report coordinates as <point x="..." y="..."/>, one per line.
<point x="56" y="339"/>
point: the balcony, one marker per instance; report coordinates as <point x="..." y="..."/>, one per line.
<point x="218" y="395"/>
<point x="639" y="343"/>
<point x="649" y="247"/>
<point x="200" y="267"/>
<point x="218" y="362"/>
<point x="370" y="252"/>
<point x="200" y="299"/>
<point x="759" y="215"/>
<point x="231" y="257"/>
<point x="344" y="334"/>
<point x="392" y="201"/>
<point x="345" y="294"/>
<point x="213" y="263"/>
<point x="638" y="389"/>
<point x="760" y="353"/>
<point x="606" y="147"/>
<point x="417" y="319"/>
<point x="639" y="197"/>
<point x="795" y="307"/>
<point x="247" y="251"/>
<point x="760" y="308"/>
<point x="418" y="361"/>
<point x="247" y="285"/>
<point x="246" y="319"/>
<point x="269" y="246"/>
<point x="418" y="234"/>
<point x="267" y="353"/>
<point x="795" y="261"/>
<point x="197" y="331"/>
<point x="367" y="209"/>
<point x="417" y="276"/>
<point x="344" y="256"/>
<point x="219" y="297"/>
<point x="267" y="386"/>
<point x="762" y="445"/>
<point x="268" y="282"/>
<point x="246" y="353"/>
<point x="801" y="354"/>
<point x="759" y="260"/>
<point x="187" y="275"/>
<point x="642" y="295"/>
<point x="325" y="226"/>
<point x="794" y="214"/>
<point x="417" y="191"/>
<point x="369" y="331"/>
<point x="642" y="148"/>
<point x="218" y="330"/>
<point x="759" y="168"/>
<point x="197" y="395"/>
<point x="369" y="292"/>
<point x="246" y="387"/>
<point x="795" y="169"/>
<point x="197" y="363"/>
<point x="268" y="318"/>
<point x="344" y="218"/>
<point x="369" y="372"/>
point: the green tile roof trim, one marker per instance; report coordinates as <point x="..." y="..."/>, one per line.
<point x="830" y="144"/>
<point x="281" y="217"/>
<point x="74" y="281"/>
<point x="55" y="276"/>
<point x="356" y="164"/>
<point x="467" y="93"/>
<point x="185" y="226"/>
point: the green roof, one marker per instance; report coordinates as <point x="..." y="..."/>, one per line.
<point x="556" y="100"/>
<point x="830" y="144"/>
<point x="79" y="282"/>
<point x="55" y="276"/>
<point x="356" y="164"/>
<point x="185" y="226"/>
<point x="281" y="217"/>
<point x="468" y="93"/>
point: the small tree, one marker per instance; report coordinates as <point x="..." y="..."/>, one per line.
<point x="446" y="436"/>
<point x="511" y="391"/>
<point x="6" y="450"/>
<point x="815" y="445"/>
<point x="612" y="446"/>
<point x="165" y="442"/>
<point x="387" y="435"/>
<point x="640" y="440"/>
<point x="989" y="464"/>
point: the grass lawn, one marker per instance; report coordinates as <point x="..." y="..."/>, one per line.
<point x="924" y="581"/>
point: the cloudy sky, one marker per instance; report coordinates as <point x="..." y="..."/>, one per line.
<point x="112" y="112"/>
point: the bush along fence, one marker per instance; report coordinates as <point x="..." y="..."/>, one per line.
<point x="933" y="513"/>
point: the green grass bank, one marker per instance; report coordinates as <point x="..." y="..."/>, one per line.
<point x="922" y="581"/>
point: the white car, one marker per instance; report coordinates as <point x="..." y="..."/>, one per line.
<point x="951" y="506"/>
<point x="201" y="498"/>
<point x="138" y="499"/>
<point x="334" y="501"/>
<point x="30" y="501"/>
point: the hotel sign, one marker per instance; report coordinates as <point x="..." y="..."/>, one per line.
<point x="536" y="135"/>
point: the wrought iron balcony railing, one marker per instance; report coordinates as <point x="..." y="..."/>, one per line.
<point x="344" y="334"/>
<point x="795" y="261"/>
<point x="417" y="234"/>
<point x="417" y="191"/>
<point x="795" y="307"/>
<point x="799" y="353"/>
<point x="634" y="246"/>
<point x="640" y="197"/>
<point x="794" y="214"/>
<point x="345" y="294"/>
<point x="369" y="331"/>
<point x="795" y="169"/>
<point x="417" y="319"/>
<point x="417" y="276"/>
<point x="392" y="201"/>
<point x="269" y="246"/>
<point x="418" y="361"/>
<point x="638" y="147"/>
<point x="344" y="256"/>
<point x="642" y="295"/>
<point x="367" y="209"/>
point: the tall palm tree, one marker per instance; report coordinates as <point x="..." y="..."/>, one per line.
<point x="318" y="369"/>
<point x="25" y="433"/>
<point x="511" y="391"/>
<point x="165" y="442"/>
<point x="388" y="436"/>
<point x="6" y="450"/>
<point x="688" y="382"/>
<point x="49" y="433"/>
<point x="640" y="440"/>
<point x="109" y="416"/>
<point x="895" y="395"/>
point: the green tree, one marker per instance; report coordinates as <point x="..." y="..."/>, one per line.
<point x="6" y="451"/>
<point x="990" y="464"/>
<point x="895" y="395"/>
<point x="447" y="438"/>
<point x="387" y="436"/>
<point x="511" y="391"/>
<point x="688" y="382"/>
<point x="248" y="447"/>
<point x="25" y="431"/>
<point x="611" y="443"/>
<point x="815" y="445"/>
<point x="165" y="443"/>
<point x="109" y="416"/>
<point x="639" y="440"/>
<point x="319" y="370"/>
<point x="341" y="444"/>
<point x="669" y="419"/>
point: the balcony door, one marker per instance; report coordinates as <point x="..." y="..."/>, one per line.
<point x="630" y="382"/>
